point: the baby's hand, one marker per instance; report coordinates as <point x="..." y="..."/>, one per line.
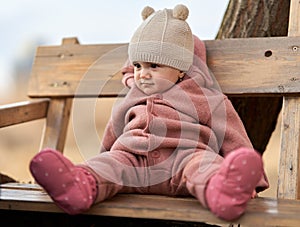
<point x="128" y="80"/>
<point x="254" y="194"/>
<point x="128" y="77"/>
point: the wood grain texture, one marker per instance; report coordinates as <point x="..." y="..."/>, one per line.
<point x="288" y="181"/>
<point x="256" y="18"/>
<point x="21" y="112"/>
<point x="254" y="66"/>
<point x="55" y="131"/>
<point x="289" y="173"/>
<point x="260" y="211"/>
<point x="77" y="70"/>
<point x="294" y="23"/>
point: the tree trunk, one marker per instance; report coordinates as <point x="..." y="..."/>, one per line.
<point x="256" y="18"/>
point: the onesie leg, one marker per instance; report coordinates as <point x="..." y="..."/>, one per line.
<point x="71" y="187"/>
<point x="229" y="190"/>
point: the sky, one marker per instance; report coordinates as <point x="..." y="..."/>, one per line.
<point x="24" y="24"/>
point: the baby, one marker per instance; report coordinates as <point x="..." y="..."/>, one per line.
<point x="173" y="134"/>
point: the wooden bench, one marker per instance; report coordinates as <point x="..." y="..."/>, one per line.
<point x="62" y="75"/>
<point x="243" y="67"/>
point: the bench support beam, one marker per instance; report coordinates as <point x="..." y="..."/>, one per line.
<point x="56" y="127"/>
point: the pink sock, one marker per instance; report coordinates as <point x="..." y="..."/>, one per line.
<point x="230" y="189"/>
<point x="72" y="188"/>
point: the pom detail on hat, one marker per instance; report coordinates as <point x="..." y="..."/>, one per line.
<point x="147" y="11"/>
<point x="181" y="12"/>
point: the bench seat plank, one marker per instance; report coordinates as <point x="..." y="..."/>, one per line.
<point x="260" y="211"/>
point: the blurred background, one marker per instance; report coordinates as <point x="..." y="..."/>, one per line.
<point x="25" y="24"/>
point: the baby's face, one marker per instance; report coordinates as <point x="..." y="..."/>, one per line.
<point x="153" y="78"/>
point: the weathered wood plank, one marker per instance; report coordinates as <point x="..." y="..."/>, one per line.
<point x="87" y="70"/>
<point x="254" y="66"/>
<point x="289" y="173"/>
<point x="288" y="179"/>
<point x="20" y="112"/>
<point x="260" y="211"/>
<point x="294" y="22"/>
<point x="55" y="131"/>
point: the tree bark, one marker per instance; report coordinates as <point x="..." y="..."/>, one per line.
<point x="256" y="18"/>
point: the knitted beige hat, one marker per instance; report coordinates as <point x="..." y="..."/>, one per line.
<point x="164" y="38"/>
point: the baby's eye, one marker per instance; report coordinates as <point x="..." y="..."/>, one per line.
<point x="153" y="65"/>
<point x="137" y="65"/>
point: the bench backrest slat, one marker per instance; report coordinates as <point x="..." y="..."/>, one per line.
<point x="252" y="66"/>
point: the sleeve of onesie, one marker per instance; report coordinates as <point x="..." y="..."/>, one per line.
<point x="109" y="137"/>
<point x="127" y="72"/>
<point x="229" y="128"/>
<point x="234" y="136"/>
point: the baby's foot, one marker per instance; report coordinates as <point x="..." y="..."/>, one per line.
<point x="71" y="187"/>
<point x="229" y="190"/>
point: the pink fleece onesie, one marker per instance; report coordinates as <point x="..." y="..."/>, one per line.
<point x="172" y="143"/>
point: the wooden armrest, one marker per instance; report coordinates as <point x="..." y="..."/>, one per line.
<point x="20" y="112"/>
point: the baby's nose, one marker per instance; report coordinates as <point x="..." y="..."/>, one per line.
<point x="145" y="74"/>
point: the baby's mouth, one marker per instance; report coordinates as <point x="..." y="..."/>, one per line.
<point x="147" y="82"/>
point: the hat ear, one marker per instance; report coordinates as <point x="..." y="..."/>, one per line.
<point x="147" y="11"/>
<point x="181" y="12"/>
